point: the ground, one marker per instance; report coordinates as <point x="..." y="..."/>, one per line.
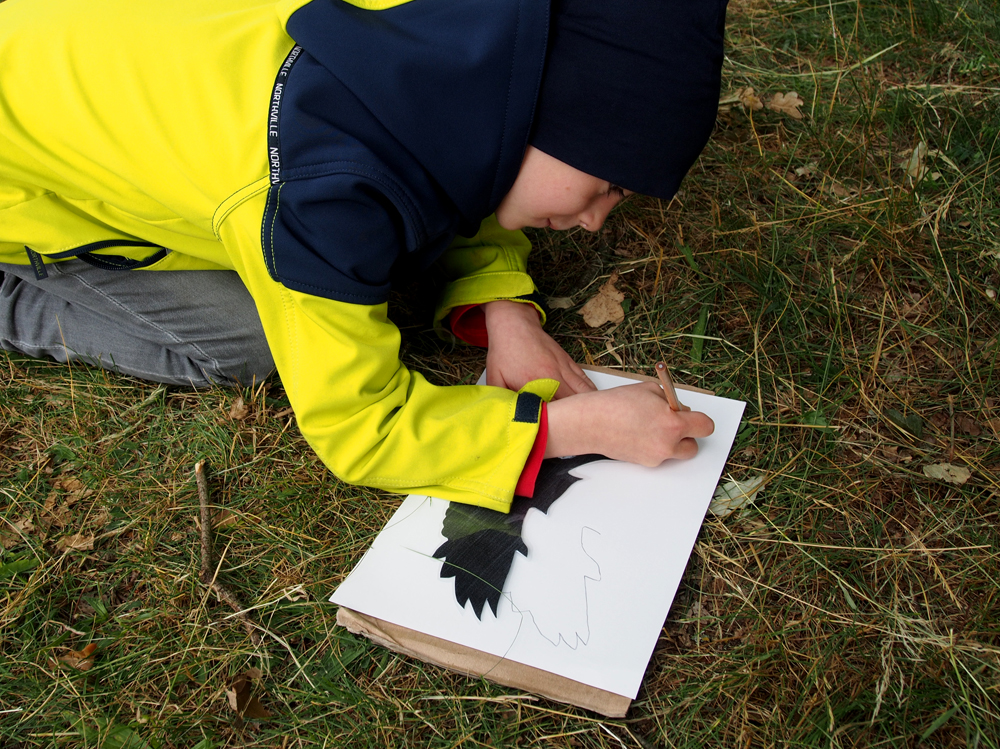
<point x="834" y="263"/>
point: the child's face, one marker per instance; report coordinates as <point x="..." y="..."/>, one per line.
<point x="550" y="193"/>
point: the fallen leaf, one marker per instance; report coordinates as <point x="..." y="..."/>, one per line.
<point x="749" y="99"/>
<point x="59" y="513"/>
<point x="81" y="660"/>
<point x="222" y="518"/>
<point x="611" y="350"/>
<point x="788" y="103"/>
<point x="560" y="302"/>
<point x="605" y="306"/>
<point x="914" y="165"/>
<point x="948" y="472"/>
<point x="100" y="518"/>
<point x="76" y="542"/>
<point x="241" y="698"/>
<point x="13" y="534"/>
<point x="74" y="488"/>
<point x="239" y="410"/>
<point x="839" y="190"/>
<point x="807" y="170"/>
<point x="69" y="484"/>
<point x="733" y="495"/>
<point x="967" y="425"/>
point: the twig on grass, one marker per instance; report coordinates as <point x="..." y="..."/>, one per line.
<point x="208" y="570"/>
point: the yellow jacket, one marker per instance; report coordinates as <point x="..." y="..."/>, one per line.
<point x="136" y="135"/>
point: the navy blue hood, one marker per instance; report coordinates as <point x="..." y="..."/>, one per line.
<point x="454" y="81"/>
<point x="391" y="131"/>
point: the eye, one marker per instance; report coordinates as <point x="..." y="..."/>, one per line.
<point x="615" y="190"/>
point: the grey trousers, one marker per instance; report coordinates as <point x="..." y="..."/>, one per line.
<point x="196" y="328"/>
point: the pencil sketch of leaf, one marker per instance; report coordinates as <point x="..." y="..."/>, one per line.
<point x="605" y="306"/>
<point x="481" y="543"/>
<point x="787" y="103"/>
<point x="733" y="495"/>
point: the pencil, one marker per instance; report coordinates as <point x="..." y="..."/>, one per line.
<point x="668" y="386"/>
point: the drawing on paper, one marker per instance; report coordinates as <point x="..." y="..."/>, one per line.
<point x="579" y="589"/>
<point x="482" y="543"/>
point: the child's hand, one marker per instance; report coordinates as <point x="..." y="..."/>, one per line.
<point x="520" y="351"/>
<point x="631" y="423"/>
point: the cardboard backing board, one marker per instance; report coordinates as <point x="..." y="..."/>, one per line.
<point x="475" y="663"/>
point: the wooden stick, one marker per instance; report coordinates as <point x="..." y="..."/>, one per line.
<point x="668" y="387"/>
<point x="207" y="557"/>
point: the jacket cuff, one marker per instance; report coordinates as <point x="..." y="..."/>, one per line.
<point x="468" y="324"/>
<point x="487" y="287"/>
<point x="526" y="484"/>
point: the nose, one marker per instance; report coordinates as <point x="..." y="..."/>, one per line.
<point x="592" y="219"/>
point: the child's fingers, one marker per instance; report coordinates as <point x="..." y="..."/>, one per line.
<point x="697" y="424"/>
<point x="686" y="449"/>
<point x="574" y="383"/>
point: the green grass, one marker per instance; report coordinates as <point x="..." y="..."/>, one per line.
<point x="853" y="308"/>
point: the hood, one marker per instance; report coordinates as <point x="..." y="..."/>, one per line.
<point x="454" y="81"/>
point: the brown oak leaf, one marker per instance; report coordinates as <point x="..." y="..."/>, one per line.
<point x="12" y="534"/>
<point x="239" y="410"/>
<point x="241" y="697"/>
<point x="787" y="103"/>
<point x="749" y="99"/>
<point x="605" y="306"/>
<point x="76" y="542"/>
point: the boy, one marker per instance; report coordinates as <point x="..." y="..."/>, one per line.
<point x="319" y="149"/>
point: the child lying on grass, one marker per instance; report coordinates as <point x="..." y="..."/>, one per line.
<point x="264" y="169"/>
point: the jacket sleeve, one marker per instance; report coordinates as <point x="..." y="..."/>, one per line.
<point x="489" y="266"/>
<point x="370" y="420"/>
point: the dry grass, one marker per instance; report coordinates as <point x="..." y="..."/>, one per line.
<point x="801" y="269"/>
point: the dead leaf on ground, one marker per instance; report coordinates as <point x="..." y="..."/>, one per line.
<point x="81" y="660"/>
<point x="69" y="484"/>
<point x="608" y="343"/>
<point x="948" y="472"/>
<point x="76" y="542"/>
<point x="967" y="425"/>
<point x="605" y="306"/>
<point x="100" y="518"/>
<point x="749" y="99"/>
<point x="60" y="515"/>
<point x="560" y="302"/>
<point x="239" y="410"/>
<point x="241" y="698"/>
<point x="839" y="190"/>
<point x="12" y="534"/>
<point x="787" y="103"/>
<point x="807" y="170"/>
<point x="733" y="495"/>
<point x="914" y="165"/>
<point x="74" y="488"/>
<point x="220" y="519"/>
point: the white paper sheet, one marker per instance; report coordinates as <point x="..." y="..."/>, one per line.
<point x="603" y="565"/>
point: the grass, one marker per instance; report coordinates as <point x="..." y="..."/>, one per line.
<point x="853" y="306"/>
